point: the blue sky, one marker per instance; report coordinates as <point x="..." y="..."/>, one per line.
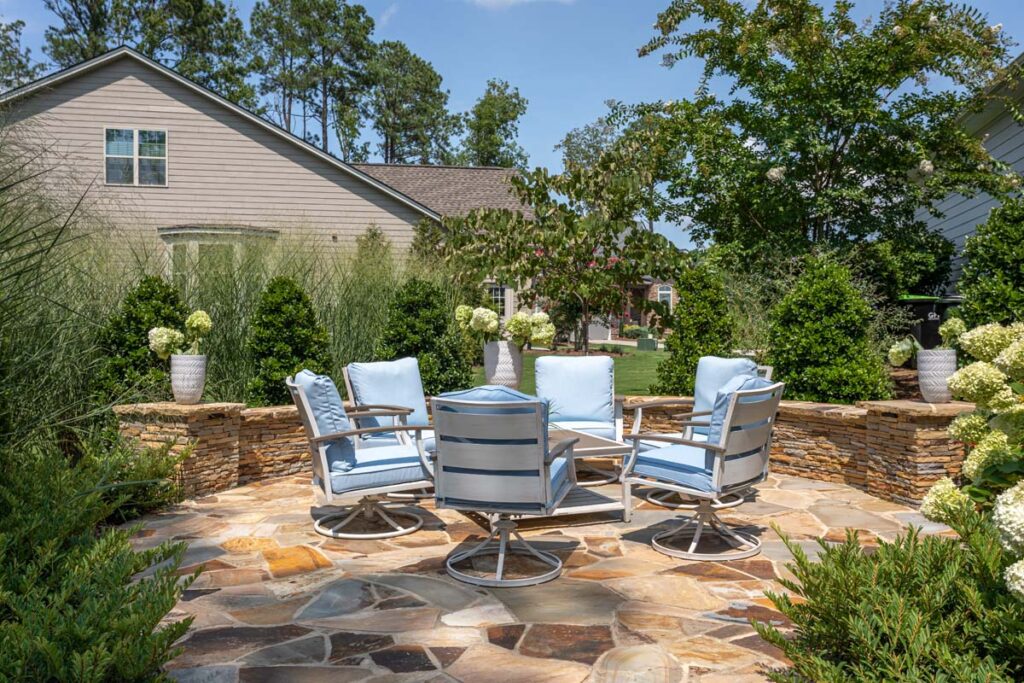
<point x="566" y="56"/>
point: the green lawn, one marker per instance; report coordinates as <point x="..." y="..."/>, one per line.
<point x="635" y="371"/>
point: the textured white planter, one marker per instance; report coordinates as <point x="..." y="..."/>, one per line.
<point x="503" y="364"/>
<point x="188" y="378"/>
<point x="934" y="367"/>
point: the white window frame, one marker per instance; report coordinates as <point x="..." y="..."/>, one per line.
<point x="665" y="289"/>
<point x="191" y="237"/>
<point x="503" y="307"/>
<point x="135" y="156"/>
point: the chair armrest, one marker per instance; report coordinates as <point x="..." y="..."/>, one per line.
<point x="379" y="411"/>
<point x="675" y="440"/>
<point x="560" y="450"/>
<point x="383" y="406"/>
<point x="337" y="436"/>
<point x="662" y="402"/>
<point x="693" y="413"/>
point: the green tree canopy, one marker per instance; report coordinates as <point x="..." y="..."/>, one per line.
<point x="409" y="109"/>
<point x="809" y="127"/>
<point x="203" y="40"/>
<point x="492" y="126"/>
<point x="583" y="146"/>
<point x="993" y="279"/>
<point x="16" y="65"/>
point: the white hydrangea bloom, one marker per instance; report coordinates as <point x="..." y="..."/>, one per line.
<point x="1011" y="360"/>
<point x="163" y="341"/>
<point x="951" y="330"/>
<point x="987" y="341"/>
<point x="942" y="500"/>
<point x="899" y="354"/>
<point x="540" y="318"/>
<point x="992" y="449"/>
<point x="1008" y="517"/>
<point x="199" y="324"/>
<point x="969" y="428"/>
<point x="981" y="383"/>
<point x="484" y="320"/>
<point x="463" y="314"/>
<point x="926" y="167"/>
<point x="1014" y="577"/>
<point x="544" y="334"/>
<point x="519" y="328"/>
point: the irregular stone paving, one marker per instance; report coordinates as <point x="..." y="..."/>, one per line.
<point x="278" y="602"/>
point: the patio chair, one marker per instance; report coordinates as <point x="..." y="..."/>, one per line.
<point x="493" y="458"/>
<point x="731" y="459"/>
<point x="580" y="391"/>
<point x="389" y="385"/>
<point x="343" y="468"/>
<point x="712" y="374"/>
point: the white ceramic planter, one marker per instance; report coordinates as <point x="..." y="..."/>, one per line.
<point x="934" y="367"/>
<point x="188" y="378"/>
<point x="503" y="364"/>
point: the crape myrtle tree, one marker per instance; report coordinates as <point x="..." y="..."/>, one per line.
<point x="583" y="242"/>
<point x="811" y="129"/>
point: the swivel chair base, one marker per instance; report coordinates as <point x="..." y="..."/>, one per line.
<point x="370" y="507"/>
<point x="744" y="545"/>
<point x="504" y="529"/>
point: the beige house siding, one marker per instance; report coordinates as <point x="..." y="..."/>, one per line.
<point x="222" y="169"/>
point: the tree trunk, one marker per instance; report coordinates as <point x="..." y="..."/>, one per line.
<point x="585" y="331"/>
<point x="323" y="114"/>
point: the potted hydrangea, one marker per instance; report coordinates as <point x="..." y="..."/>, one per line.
<point x="188" y="366"/>
<point x="934" y="366"/>
<point x="503" y="347"/>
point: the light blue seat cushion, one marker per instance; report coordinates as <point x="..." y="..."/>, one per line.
<point x="712" y="374"/>
<point x="329" y="414"/>
<point x="393" y="383"/>
<point x="677" y="464"/>
<point x="578" y="389"/>
<point x="602" y="429"/>
<point x="381" y="466"/>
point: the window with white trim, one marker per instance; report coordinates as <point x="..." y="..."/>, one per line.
<point x="133" y="156"/>
<point x="665" y="295"/>
<point x="497" y="296"/>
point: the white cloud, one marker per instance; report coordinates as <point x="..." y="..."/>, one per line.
<point x="387" y="15"/>
<point x="504" y="4"/>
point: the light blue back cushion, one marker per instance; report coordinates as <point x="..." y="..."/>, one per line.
<point x="721" y="405"/>
<point x="394" y="383"/>
<point x="329" y="414"/>
<point x="712" y="374"/>
<point x="577" y="388"/>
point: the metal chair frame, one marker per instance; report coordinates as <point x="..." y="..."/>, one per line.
<point x="759" y="416"/>
<point x="370" y="500"/>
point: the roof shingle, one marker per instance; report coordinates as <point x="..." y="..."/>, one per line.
<point x="450" y="190"/>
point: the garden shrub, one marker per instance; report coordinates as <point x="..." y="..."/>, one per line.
<point x="701" y="326"/>
<point x="635" y="332"/>
<point x="993" y="279"/>
<point x="129" y="366"/>
<point x="71" y="605"/>
<point x="820" y="339"/>
<point x="421" y="324"/>
<point x="285" y="337"/>
<point x="916" y="609"/>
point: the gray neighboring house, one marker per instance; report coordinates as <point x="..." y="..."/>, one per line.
<point x="1004" y="139"/>
<point x="186" y="170"/>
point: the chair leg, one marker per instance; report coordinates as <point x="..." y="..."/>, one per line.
<point x="370" y="507"/>
<point x="506" y="533"/>
<point x="627" y="501"/>
<point x="693" y="528"/>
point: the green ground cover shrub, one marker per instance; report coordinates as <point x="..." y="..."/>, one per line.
<point x="821" y="338"/>
<point x="993" y="279"/>
<point x="129" y="368"/>
<point x="286" y="336"/>
<point x="70" y="609"/>
<point x="701" y="326"/>
<point x="421" y="324"/>
<point x="635" y="331"/>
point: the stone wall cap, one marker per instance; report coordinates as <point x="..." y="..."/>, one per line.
<point x="172" y="409"/>
<point x="907" y="407"/>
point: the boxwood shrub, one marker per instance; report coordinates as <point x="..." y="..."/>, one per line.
<point x="993" y="279"/>
<point x="820" y="339"/>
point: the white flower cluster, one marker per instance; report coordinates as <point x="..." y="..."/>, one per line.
<point x="983" y="384"/>
<point x="902" y="351"/>
<point x="485" y="320"/>
<point x="543" y="329"/>
<point x="943" y="500"/>
<point x="1014" y="577"/>
<point x="951" y="330"/>
<point x="992" y="449"/>
<point x="776" y="174"/>
<point x="969" y="428"/>
<point x="1008" y="517"/>
<point x="987" y="341"/>
<point x="463" y="314"/>
<point x="1011" y="360"/>
<point x="198" y="324"/>
<point x="164" y="341"/>
<point x="926" y="167"/>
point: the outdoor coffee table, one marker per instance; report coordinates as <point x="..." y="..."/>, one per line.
<point x="583" y="499"/>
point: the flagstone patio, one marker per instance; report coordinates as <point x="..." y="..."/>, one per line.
<point x="278" y="602"/>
